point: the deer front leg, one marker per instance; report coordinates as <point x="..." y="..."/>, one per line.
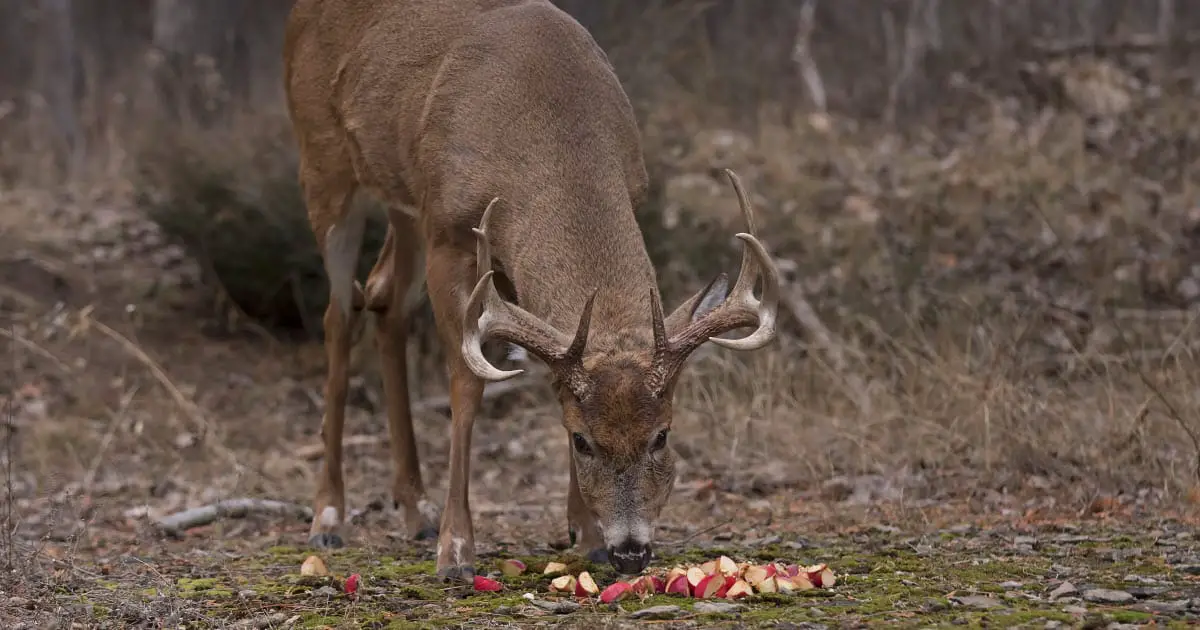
<point x="340" y="237"/>
<point x="581" y="523"/>
<point x="448" y="271"/>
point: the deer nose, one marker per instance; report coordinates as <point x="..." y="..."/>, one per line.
<point x="629" y="557"/>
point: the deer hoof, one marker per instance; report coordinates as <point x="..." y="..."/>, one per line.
<point x="325" y="541"/>
<point x="460" y="573"/>
<point x="598" y="556"/>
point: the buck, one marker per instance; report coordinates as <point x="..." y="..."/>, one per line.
<point x="508" y="156"/>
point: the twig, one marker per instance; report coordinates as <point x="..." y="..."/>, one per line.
<point x="436" y="403"/>
<point x="175" y="524"/>
<point x="36" y="349"/>
<point x="202" y="426"/>
<point x="914" y="49"/>
<point x="1134" y="43"/>
<point x="115" y="421"/>
<point x="802" y="56"/>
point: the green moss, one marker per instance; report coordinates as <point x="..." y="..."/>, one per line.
<point x="1130" y="616"/>
<point x="202" y="587"/>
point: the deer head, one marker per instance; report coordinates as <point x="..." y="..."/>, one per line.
<point x="617" y="400"/>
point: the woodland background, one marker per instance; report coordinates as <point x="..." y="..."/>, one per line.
<point x="988" y="213"/>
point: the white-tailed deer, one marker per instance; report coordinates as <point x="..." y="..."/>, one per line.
<point x="503" y="124"/>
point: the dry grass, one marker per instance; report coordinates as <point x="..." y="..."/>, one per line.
<point x="1011" y="295"/>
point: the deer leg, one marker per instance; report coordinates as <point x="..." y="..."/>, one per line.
<point x="341" y="240"/>
<point x="448" y="271"/>
<point x="387" y="288"/>
<point x="582" y="527"/>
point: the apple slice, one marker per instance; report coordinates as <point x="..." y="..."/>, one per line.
<point x="739" y="590"/>
<point x="728" y="582"/>
<point x="512" y="567"/>
<point x="659" y="585"/>
<point x="647" y="585"/>
<point x="487" y="584"/>
<point x="784" y="585"/>
<point x="563" y="584"/>
<point x="710" y="567"/>
<point x="586" y="586"/>
<point x="674" y="572"/>
<point x="792" y="570"/>
<point x="767" y="585"/>
<point x="695" y="575"/>
<point x="351" y="586"/>
<point x="616" y="592"/>
<point x="755" y="575"/>
<point x="313" y="566"/>
<point x="820" y="575"/>
<point x="726" y="565"/>
<point x="554" y="567"/>
<point x="708" y="587"/>
<point x="678" y="585"/>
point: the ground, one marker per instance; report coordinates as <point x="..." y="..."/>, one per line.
<point x="983" y="436"/>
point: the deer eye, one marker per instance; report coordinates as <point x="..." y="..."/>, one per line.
<point x="581" y="444"/>
<point x="660" y="440"/>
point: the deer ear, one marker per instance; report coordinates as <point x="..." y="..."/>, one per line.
<point x="698" y="305"/>
<point x="711" y="297"/>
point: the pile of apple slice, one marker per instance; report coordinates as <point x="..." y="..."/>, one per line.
<point x="721" y="579"/>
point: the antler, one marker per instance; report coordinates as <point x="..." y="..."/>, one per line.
<point x="488" y="316"/>
<point x="739" y="310"/>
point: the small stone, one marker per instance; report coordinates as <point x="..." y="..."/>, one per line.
<point x="1010" y="585"/>
<point x="1025" y="540"/>
<point x="325" y="591"/>
<point x="1106" y="596"/>
<point x="716" y="608"/>
<point x="656" y="612"/>
<point x="1064" y="589"/>
<point x="1075" y="610"/>
<point x="247" y="593"/>
<point x="1162" y="608"/>
<point x="562" y="607"/>
<point x="1053" y="624"/>
<point x="977" y="601"/>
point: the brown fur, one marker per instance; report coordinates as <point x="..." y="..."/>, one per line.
<point x="441" y="106"/>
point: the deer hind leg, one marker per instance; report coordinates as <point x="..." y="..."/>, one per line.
<point x="389" y="294"/>
<point x="449" y="272"/>
<point x="581" y="524"/>
<point x="340" y="234"/>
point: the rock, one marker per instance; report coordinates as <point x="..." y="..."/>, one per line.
<point x="1064" y="589"/>
<point x="325" y="591"/>
<point x="1106" y="596"/>
<point x="713" y="608"/>
<point x="982" y="602"/>
<point x="1010" y="585"/>
<point x="1162" y="608"/>
<point x="656" y="612"/>
<point x="563" y="607"/>
<point x="1075" y="610"/>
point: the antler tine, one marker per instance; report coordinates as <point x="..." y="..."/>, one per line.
<point x="738" y="310"/>
<point x="476" y="328"/>
<point x="483" y="248"/>
<point x="488" y="315"/>
<point x="755" y="262"/>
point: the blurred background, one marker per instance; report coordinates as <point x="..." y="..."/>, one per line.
<point x="988" y="213"/>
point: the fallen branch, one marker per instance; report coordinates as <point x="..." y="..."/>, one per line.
<point x="427" y="405"/>
<point x="175" y="524"/>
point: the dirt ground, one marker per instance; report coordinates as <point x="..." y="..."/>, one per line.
<point x="126" y="406"/>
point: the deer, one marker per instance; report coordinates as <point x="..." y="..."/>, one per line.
<point x="508" y="158"/>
